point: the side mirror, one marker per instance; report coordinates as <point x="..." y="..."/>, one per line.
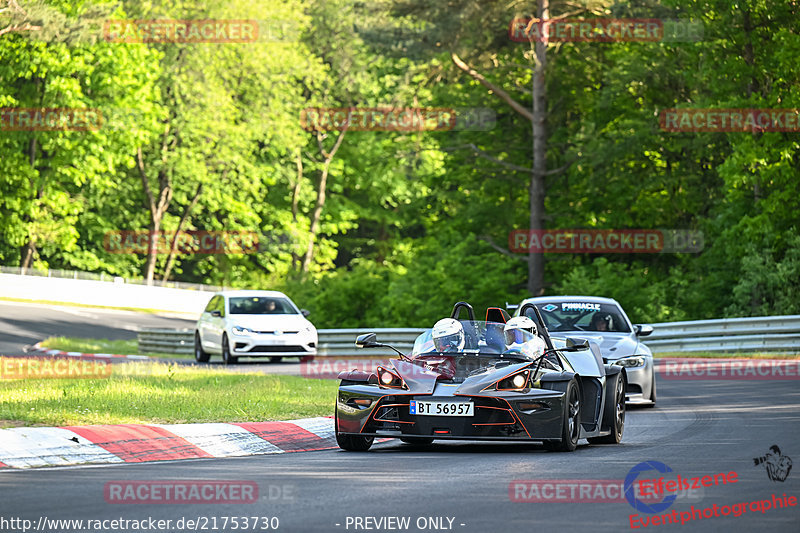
<point x="305" y="312"/>
<point x="574" y="345"/>
<point x="367" y="340"/>
<point x="643" y="330"/>
<point x="216" y="313"/>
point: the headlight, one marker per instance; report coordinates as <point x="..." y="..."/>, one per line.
<point x="630" y="362"/>
<point x="387" y="378"/>
<point x="238" y="330"/>
<point x="516" y="381"/>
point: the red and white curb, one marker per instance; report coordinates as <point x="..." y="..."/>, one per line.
<point x="136" y="443"/>
<point x="40" y="350"/>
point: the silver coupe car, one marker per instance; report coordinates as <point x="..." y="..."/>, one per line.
<point x="603" y="321"/>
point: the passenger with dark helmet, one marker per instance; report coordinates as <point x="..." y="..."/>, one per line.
<point x="601" y="322"/>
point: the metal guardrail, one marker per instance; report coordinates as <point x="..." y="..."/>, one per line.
<point x="773" y="333"/>
<point x="766" y="333"/>
<point x="163" y="340"/>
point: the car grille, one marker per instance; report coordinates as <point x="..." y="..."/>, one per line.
<point x="273" y="348"/>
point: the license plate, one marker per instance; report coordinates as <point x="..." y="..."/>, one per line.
<point x="441" y="408"/>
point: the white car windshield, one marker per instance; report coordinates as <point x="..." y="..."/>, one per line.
<point x="262" y="305"/>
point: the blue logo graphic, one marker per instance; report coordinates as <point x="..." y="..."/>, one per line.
<point x="549" y="307"/>
<point x="639" y="505"/>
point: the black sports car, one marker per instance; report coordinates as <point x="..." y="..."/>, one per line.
<point x="484" y="380"/>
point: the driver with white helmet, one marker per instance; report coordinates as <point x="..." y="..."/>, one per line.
<point x="448" y="335"/>
<point x="515" y="339"/>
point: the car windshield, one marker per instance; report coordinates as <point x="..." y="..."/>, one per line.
<point x="489" y="338"/>
<point x="262" y="305"/>
<point x="577" y="315"/>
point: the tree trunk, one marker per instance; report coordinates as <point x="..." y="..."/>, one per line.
<point x="174" y="247"/>
<point x="295" y="202"/>
<point x="157" y="209"/>
<point x="321" y="190"/>
<point x="539" y="170"/>
<point x="28" y="250"/>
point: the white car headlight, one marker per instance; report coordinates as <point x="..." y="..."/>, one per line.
<point x="630" y="362"/>
<point x="245" y="332"/>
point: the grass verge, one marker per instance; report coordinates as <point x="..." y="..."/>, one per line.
<point x="154" y="392"/>
<point x="122" y="347"/>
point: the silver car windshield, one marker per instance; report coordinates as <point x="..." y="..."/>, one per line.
<point x="576" y="315"/>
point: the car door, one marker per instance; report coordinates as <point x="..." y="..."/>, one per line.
<point x="212" y="325"/>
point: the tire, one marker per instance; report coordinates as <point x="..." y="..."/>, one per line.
<point x="571" y="427"/>
<point x="227" y="358"/>
<point x="200" y="355"/>
<point x="420" y="441"/>
<point x="615" y="411"/>
<point x="351" y="443"/>
<point x="276" y="359"/>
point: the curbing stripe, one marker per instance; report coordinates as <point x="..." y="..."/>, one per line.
<point x="222" y="440"/>
<point x="132" y="443"/>
<point x="138" y="443"/>
<point x="286" y="435"/>
<point x="30" y="447"/>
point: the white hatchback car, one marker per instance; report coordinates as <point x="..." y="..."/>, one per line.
<point x="253" y="324"/>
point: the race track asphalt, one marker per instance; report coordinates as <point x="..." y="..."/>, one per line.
<point x="23" y="324"/>
<point x="698" y="428"/>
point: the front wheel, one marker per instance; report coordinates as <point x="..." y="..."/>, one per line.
<point x="200" y="355"/>
<point x="354" y="443"/>
<point x="571" y="428"/>
<point x="227" y="358"/>
<point x="615" y="411"/>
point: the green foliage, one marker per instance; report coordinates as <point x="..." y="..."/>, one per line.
<point x="412" y="221"/>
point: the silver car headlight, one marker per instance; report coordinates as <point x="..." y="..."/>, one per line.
<point x="244" y="332"/>
<point x="630" y="362"/>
